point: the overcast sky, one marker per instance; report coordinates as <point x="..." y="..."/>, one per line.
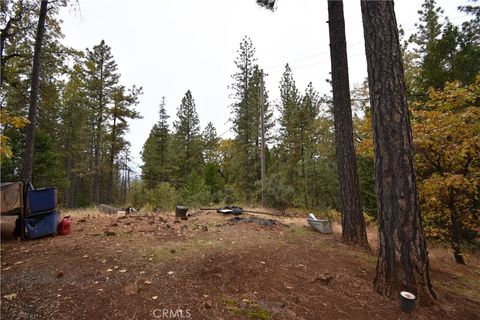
<point x="171" y="46"/>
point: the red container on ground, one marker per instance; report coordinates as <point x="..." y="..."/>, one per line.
<point x="65" y="226"/>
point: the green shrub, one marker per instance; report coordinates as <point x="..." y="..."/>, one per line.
<point x="213" y="178"/>
<point x="195" y="193"/>
<point x="163" y="196"/>
<point x="136" y="196"/>
<point x="229" y="194"/>
<point x="330" y="214"/>
<point x="277" y="194"/>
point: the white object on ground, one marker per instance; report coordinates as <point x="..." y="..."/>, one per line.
<point x="322" y="225"/>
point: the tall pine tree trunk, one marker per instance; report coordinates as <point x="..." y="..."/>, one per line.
<point x="304" y="176"/>
<point x="69" y="163"/>
<point x="90" y="169"/>
<point x="98" y="133"/>
<point x="112" y="160"/>
<point x="402" y="258"/>
<point x="73" y="185"/>
<point x="97" y="162"/>
<point x="67" y="200"/>
<point x="353" y="222"/>
<point x="315" y="187"/>
<point x="35" y="85"/>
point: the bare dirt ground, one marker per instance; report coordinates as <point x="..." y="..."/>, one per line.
<point x="151" y="267"/>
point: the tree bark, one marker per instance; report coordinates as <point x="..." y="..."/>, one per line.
<point x="353" y="222"/>
<point x="402" y="257"/>
<point x="98" y="137"/>
<point x="317" y="195"/>
<point x="455" y="231"/>
<point x="67" y="200"/>
<point x="98" y="132"/>
<point x="455" y="241"/>
<point x="112" y="157"/>
<point x="90" y="169"/>
<point x="69" y="163"/>
<point x="34" y="88"/>
<point x="304" y="175"/>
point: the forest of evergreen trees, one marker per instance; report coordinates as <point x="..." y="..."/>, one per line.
<point x="199" y="167"/>
<point x="84" y="113"/>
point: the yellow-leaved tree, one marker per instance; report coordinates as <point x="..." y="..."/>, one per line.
<point x="7" y="119"/>
<point x="446" y="136"/>
<point x="446" y="131"/>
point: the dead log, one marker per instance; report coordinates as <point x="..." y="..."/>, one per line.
<point x="111" y="210"/>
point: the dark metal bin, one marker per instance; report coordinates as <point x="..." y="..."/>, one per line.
<point x="181" y="212"/>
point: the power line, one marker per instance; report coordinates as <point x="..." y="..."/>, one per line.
<point x="225" y="132"/>
<point x="271" y="71"/>
<point x="308" y="57"/>
<point x="310" y="65"/>
<point x="349" y="46"/>
<point x="317" y="63"/>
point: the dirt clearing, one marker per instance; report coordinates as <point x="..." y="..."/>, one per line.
<point x="151" y="267"/>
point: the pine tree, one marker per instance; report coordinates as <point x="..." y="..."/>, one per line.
<point x="440" y="51"/>
<point x="466" y="62"/>
<point x="254" y="100"/>
<point x="34" y="88"/>
<point x="289" y="125"/>
<point x="188" y="144"/>
<point x="429" y="58"/>
<point x="15" y="43"/>
<point x="297" y="119"/>
<point x="210" y="143"/>
<point x="429" y="28"/>
<point x="15" y="68"/>
<point x="73" y="133"/>
<point x="120" y="112"/>
<point x="156" y="153"/>
<point x="246" y="119"/>
<point x="402" y="256"/>
<point x="323" y="182"/>
<point x="163" y="137"/>
<point x="101" y="78"/>
<point x="307" y="113"/>
<point x="68" y="110"/>
<point x="353" y="222"/>
<point x="17" y="47"/>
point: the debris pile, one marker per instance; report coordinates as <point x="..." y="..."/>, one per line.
<point x="259" y="221"/>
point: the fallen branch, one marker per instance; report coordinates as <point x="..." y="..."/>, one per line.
<point x="112" y="210"/>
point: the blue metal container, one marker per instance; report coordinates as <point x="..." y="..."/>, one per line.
<point x="41" y="226"/>
<point x="41" y="200"/>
